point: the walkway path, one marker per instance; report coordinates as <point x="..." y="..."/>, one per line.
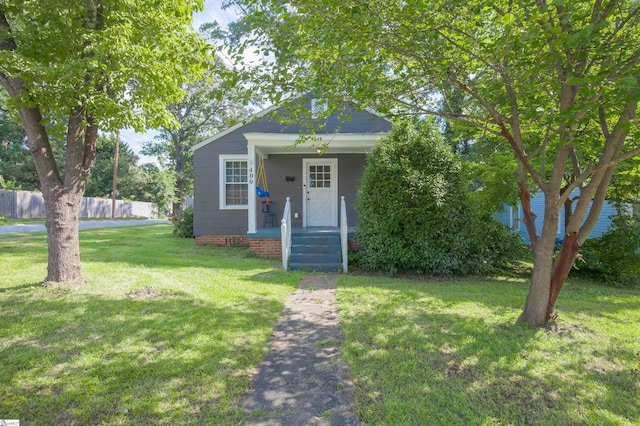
<point x="17" y="229"/>
<point x="303" y="379"/>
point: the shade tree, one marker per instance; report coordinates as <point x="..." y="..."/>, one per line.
<point x="555" y="84"/>
<point x="210" y="104"/>
<point x="90" y="65"/>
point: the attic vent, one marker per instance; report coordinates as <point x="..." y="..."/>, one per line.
<point x="318" y="107"/>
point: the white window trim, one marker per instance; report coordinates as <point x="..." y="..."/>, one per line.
<point x="223" y="158"/>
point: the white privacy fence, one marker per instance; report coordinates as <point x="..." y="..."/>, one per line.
<point x="30" y="205"/>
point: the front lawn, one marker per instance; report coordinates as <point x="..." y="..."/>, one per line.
<point x="163" y="332"/>
<point x="451" y="352"/>
<point x="12" y="221"/>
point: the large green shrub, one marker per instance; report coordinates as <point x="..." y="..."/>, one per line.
<point x="415" y="213"/>
<point x="614" y="257"/>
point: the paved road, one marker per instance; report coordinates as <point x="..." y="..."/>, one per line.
<point x="17" y="229"/>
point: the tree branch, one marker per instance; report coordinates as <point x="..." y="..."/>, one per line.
<point x="480" y="122"/>
<point x="573" y="156"/>
<point x="603" y="122"/>
<point x="466" y="50"/>
<point x="31" y="117"/>
<point x="613" y="146"/>
<point x="7" y="42"/>
<point x="596" y="207"/>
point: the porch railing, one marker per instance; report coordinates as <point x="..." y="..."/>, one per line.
<point x="285" y="234"/>
<point x="344" y="235"/>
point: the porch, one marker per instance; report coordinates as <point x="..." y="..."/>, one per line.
<point x="313" y="174"/>
<point x="312" y="248"/>
<point x="265" y="164"/>
<point x="275" y="232"/>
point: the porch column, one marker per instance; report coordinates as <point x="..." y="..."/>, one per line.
<point x="252" y="215"/>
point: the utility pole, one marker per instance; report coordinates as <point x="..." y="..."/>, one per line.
<point x="115" y="177"/>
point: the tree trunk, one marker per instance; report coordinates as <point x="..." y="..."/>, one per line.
<point x="177" y="205"/>
<point x="568" y="211"/>
<point x="62" y="198"/>
<point x="180" y="184"/>
<point x="562" y="267"/>
<point x="62" y="236"/>
<point x="536" y="308"/>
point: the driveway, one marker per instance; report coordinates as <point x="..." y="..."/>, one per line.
<point x="17" y="229"/>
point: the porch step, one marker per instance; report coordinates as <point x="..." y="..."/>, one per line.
<point x="315" y="248"/>
<point x="316" y="267"/>
<point x="315" y="252"/>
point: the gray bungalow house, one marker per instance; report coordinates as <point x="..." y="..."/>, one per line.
<point x="228" y="210"/>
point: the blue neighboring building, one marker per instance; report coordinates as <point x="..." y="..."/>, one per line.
<point x="513" y="217"/>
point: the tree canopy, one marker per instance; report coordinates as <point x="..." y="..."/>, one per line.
<point x="557" y="83"/>
<point x="91" y="65"/>
<point x="210" y="105"/>
<point x="17" y="170"/>
<point x="136" y="182"/>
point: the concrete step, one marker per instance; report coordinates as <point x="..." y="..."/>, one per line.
<point x="318" y="267"/>
<point x="316" y="252"/>
<point x="315" y="239"/>
<point x="313" y="258"/>
<point x="319" y="249"/>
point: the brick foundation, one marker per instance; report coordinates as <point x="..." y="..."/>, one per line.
<point x="222" y="240"/>
<point x="266" y="247"/>
<point x="261" y="247"/>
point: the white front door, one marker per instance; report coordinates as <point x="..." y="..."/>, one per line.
<point x="320" y="192"/>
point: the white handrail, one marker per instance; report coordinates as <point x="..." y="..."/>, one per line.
<point x="344" y="235"/>
<point x="285" y="234"/>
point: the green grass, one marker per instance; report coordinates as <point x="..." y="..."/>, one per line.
<point x="163" y="332"/>
<point x="451" y="352"/>
<point x="11" y="221"/>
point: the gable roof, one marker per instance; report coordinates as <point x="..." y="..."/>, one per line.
<point x="234" y="127"/>
<point x="256" y="116"/>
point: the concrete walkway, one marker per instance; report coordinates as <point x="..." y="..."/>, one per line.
<point x="303" y="380"/>
<point x="18" y="229"/>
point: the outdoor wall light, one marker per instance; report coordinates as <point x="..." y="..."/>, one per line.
<point x="289" y="178"/>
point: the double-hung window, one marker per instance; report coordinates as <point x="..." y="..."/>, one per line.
<point x="234" y="182"/>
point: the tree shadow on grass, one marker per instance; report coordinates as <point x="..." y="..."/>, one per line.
<point x="417" y="360"/>
<point x="153" y="248"/>
<point x="18" y="288"/>
<point x="168" y="360"/>
<point x="502" y="296"/>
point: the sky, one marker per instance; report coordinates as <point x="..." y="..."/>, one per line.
<point x="212" y="12"/>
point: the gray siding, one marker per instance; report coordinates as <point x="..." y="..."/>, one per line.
<point x="350" y="172"/>
<point x="278" y="167"/>
<point x="210" y="220"/>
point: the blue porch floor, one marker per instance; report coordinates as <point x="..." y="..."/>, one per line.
<point x="315" y="230"/>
